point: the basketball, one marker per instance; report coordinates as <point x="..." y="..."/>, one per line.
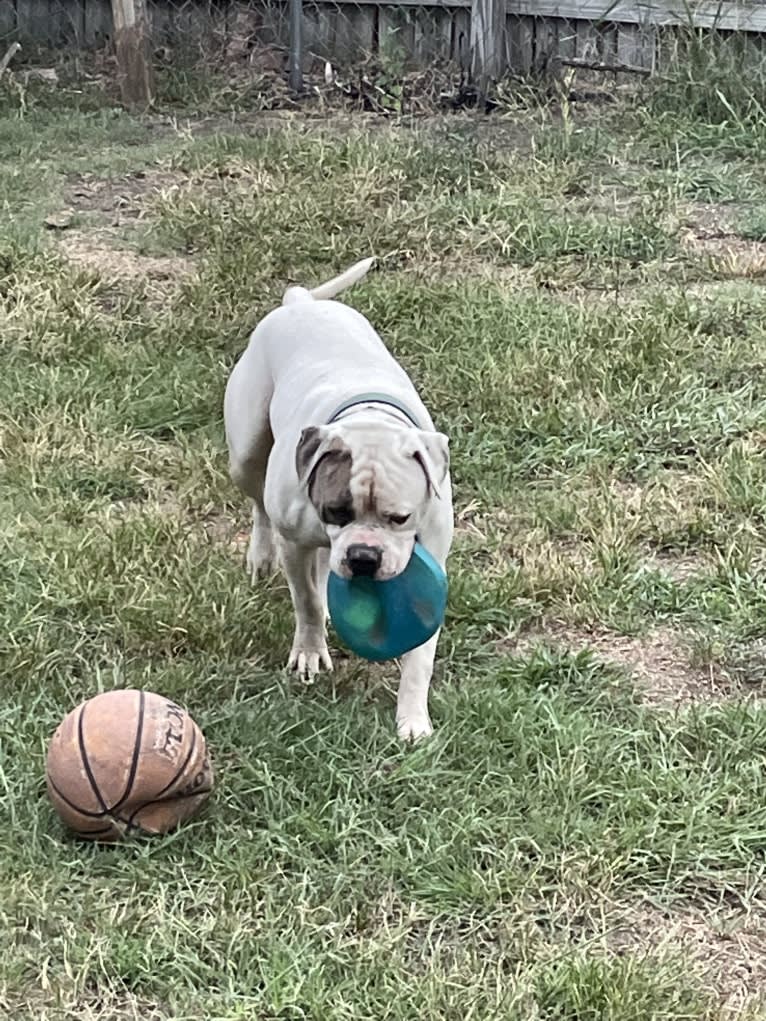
<point x="125" y="763"/>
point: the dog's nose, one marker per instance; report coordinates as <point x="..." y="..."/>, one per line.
<point x="363" y="561"/>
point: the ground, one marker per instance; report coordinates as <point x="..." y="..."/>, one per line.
<point x="579" y="299"/>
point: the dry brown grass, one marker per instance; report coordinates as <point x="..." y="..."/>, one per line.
<point x="659" y="663"/>
<point x="726" y="947"/>
<point x="708" y="232"/>
<point x="114" y="265"/>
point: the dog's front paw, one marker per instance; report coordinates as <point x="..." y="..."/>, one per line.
<point x="413" y="728"/>
<point x="309" y="662"/>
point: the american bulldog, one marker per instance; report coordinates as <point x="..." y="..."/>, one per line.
<point x="328" y="436"/>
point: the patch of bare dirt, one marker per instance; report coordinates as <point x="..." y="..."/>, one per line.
<point x="677" y="566"/>
<point x="120" y="198"/>
<point x="472" y="267"/>
<point x="118" y="265"/>
<point x="728" y="948"/>
<point x="746" y="663"/>
<point x="565" y="286"/>
<point x="709" y="220"/>
<point x="732" y="290"/>
<point x="90" y="1005"/>
<point x="220" y="528"/>
<point x="659" y="663"/>
<point x="227" y="531"/>
<point x="708" y="231"/>
<point x="111" y="204"/>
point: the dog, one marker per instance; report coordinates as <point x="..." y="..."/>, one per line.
<point x="341" y="478"/>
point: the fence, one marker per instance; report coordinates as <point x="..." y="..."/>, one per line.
<point x="487" y="37"/>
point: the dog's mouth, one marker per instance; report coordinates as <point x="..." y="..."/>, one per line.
<point x="372" y="559"/>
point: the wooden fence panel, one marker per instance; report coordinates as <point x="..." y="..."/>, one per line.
<point x="433" y="36"/>
<point x="643" y="47"/>
<point x="587" y="42"/>
<point x="520" y="43"/>
<point x="354" y="34"/>
<point x="319" y="26"/>
<point x="160" y="21"/>
<point x="546" y="42"/>
<point x="7" y="21"/>
<point x="606" y="42"/>
<point x="97" y="23"/>
<point x="272" y="24"/>
<point x="567" y="41"/>
<point x="33" y="22"/>
<point x="719" y="14"/>
<point x="198" y="25"/>
<point x="365" y="30"/>
<point x="396" y="33"/>
<point x="528" y="35"/>
<point x="461" y="37"/>
<point x="67" y="23"/>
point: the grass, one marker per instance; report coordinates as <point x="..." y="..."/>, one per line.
<point x="565" y="847"/>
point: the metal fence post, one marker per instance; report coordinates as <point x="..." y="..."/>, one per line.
<point x="296" y="45"/>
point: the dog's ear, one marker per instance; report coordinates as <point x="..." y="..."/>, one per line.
<point x="432" y="454"/>
<point x="316" y="442"/>
<point x="308" y="446"/>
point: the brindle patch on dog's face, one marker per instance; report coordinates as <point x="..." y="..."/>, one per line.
<point x="330" y="489"/>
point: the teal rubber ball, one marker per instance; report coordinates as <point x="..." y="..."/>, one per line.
<point x="381" y="620"/>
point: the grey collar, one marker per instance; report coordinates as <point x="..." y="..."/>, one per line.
<point x="374" y="398"/>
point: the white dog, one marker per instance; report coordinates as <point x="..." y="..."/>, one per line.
<point x="328" y="436"/>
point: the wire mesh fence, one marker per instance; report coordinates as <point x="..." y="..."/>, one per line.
<point x="409" y="35"/>
<point x="370" y="50"/>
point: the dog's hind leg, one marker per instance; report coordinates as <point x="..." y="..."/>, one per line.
<point x="249" y="439"/>
<point x="262" y="559"/>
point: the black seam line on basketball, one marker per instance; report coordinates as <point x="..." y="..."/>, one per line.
<point x="86" y="763"/>
<point x="80" y="811"/>
<point x="136" y="753"/>
<point x="95" y="833"/>
<point x="166" y="801"/>
<point x="181" y="770"/>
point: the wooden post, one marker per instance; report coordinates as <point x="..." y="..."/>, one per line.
<point x="134" y="52"/>
<point x="487" y="43"/>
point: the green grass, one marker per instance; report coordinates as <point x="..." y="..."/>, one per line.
<point x="607" y="423"/>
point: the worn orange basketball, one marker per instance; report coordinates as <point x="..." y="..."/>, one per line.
<point x="127" y="762"/>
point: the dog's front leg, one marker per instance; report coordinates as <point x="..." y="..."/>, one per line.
<point x="309" y="652"/>
<point x="321" y="573"/>
<point x="412" y="719"/>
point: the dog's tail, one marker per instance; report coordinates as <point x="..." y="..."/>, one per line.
<point x="350" y="276"/>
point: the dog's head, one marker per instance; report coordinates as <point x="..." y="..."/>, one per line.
<point x="370" y="484"/>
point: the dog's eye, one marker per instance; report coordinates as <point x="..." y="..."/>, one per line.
<point x="399" y="519"/>
<point x="340" y="516"/>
